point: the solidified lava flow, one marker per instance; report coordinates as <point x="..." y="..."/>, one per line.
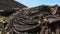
<point x="16" y="18"/>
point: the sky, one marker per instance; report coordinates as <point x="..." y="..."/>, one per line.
<point x="33" y="3"/>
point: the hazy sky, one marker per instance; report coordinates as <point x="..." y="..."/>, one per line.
<point x="33" y="3"/>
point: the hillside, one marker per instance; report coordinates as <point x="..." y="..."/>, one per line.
<point x="8" y="5"/>
<point x="16" y="18"/>
<point x="36" y="20"/>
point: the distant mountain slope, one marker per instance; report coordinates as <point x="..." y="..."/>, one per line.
<point x="6" y="5"/>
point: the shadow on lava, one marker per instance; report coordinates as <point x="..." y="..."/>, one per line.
<point x="54" y="25"/>
<point x="34" y="30"/>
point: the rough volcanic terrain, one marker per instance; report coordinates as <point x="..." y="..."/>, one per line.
<point x="42" y="19"/>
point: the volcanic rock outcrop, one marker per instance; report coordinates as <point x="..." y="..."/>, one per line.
<point x="16" y="18"/>
<point x="37" y="20"/>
